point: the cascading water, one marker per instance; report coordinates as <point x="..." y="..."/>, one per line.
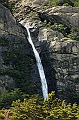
<point x="39" y="64"/>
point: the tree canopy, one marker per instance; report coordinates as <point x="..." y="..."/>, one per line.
<point x="34" y="108"/>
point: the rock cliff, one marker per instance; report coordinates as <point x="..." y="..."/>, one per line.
<point x="60" y="58"/>
<point x="59" y="55"/>
<point x="67" y="15"/>
<point x="12" y="50"/>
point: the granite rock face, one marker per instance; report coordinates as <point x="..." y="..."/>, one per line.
<point x="63" y="57"/>
<point x="17" y="62"/>
<point x="8" y="23"/>
<point x="10" y="37"/>
<point x="66" y="15"/>
<point x="59" y="55"/>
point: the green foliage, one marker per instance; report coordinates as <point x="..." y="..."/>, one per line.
<point x="53" y="2"/>
<point x="7" y="97"/>
<point x="74" y="34"/>
<point x="34" y="108"/>
<point x="9" y="4"/>
<point x="2" y="116"/>
<point x="30" y="109"/>
<point x="65" y="2"/>
<point x="77" y="80"/>
<point x="61" y="113"/>
<point x="74" y="3"/>
<point x="4" y="41"/>
<point x="58" y="110"/>
<point x="58" y="27"/>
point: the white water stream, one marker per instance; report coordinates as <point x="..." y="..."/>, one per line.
<point x="39" y="64"/>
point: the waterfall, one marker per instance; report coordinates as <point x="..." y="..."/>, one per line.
<point x="39" y="65"/>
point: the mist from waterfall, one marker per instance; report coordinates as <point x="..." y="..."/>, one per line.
<point x="39" y="65"/>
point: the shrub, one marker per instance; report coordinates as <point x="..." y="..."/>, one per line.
<point x="65" y="2"/>
<point x="34" y="108"/>
<point x="74" y="34"/>
<point x="7" y="97"/>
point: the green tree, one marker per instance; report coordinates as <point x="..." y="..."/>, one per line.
<point x="30" y="109"/>
<point x="34" y="108"/>
<point x="6" y="97"/>
<point x="74" y="34"/>
<point x="58" y="110"/>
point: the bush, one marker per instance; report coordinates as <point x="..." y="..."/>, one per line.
<point x="51" y="109"/>
<point x="7" y="97"/>
<point x="34" y="108"/>
<point x="74" y="34"/>
<point x="58" y="27"/>
<point x="65" y="2"/>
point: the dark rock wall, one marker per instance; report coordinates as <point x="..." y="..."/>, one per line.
<point x="60" y="57"/>
<point x="61" y="63"/>
<point x="15" y="60"/>
<point x="65" y="61"/>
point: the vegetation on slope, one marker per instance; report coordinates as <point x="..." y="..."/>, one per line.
<point x="34" y="108"/>
<point x="11" y="3"/>
<point x="72" y="33"/>
<point x="7" y="97"/>
<point x="74" y="3"/>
